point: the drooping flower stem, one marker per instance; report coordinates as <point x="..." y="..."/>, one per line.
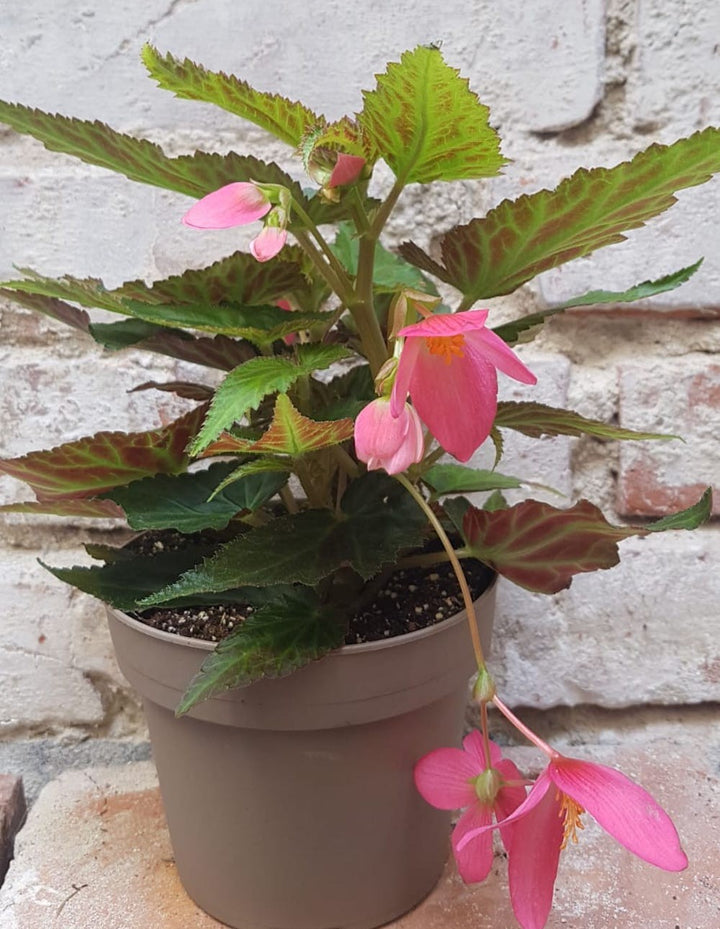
<point x="457" y="567"/>
<point x="521" y="727"/>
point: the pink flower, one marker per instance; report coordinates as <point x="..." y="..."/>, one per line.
<point x="448" y="366"/>
<point x="268" y="243"/>
<point x="232" y="205"/>
<point x="550" y="816"/>
<point x="450" y="778"/>
<point x="346" y="171"/>
<point x="384" y="440"/>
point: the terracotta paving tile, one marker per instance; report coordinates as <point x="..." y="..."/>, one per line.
<point x="95" y="854"/>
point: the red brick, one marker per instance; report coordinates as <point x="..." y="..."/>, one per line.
<point x="677" y="396"/>
<point x="12" y="816"/>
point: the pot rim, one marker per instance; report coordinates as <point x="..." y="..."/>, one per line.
<point x="355" y="649"/>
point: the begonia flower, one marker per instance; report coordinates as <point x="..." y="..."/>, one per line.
<point x="383" y="440"/>
<point x="270" y="241"/>
<point x="234" y="204"/>
<point x="347" y="170"/>
<point x="550" y="816"/>
<point x="451" y="778"/>
<point x="448" y="366"/>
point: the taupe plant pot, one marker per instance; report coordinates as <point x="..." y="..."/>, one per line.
<point x="291" y="802"/>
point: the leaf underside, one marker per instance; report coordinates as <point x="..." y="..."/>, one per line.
<point x="536" y="419"/>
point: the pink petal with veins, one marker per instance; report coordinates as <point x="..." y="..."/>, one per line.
<point x="234" y="204"/>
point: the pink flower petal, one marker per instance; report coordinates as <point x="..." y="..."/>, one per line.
<point x="408" y="357"/>
<point x="502" y="356"/>
<point x="457" y="402"/>
<point x="623" y="809"/>
<point x="539" y="789"/>
<point x="444" y="778"/>
<point x="347" y="170"/>
<point x="232" y="205"/>
<point x="268" y="243"/>
<point x="534" y="855"/>
<point x="386" y="441"/>
<point x="475" y="860"/>
<point x="446" y="324"/>
<point x="474" y="745"/>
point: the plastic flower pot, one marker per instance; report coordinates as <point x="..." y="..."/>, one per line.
<point x="290" y="802"/>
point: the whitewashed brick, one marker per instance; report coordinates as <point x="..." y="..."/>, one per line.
<point x="674" y="80"/>
<point x="645" y="631"/>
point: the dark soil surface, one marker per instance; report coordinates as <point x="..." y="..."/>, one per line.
<point x="407" y="600"/>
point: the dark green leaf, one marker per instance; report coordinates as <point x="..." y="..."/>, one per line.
<point x="182" y="501"/>
<point x="272" y="642"/>
<point x="378" y="520"/>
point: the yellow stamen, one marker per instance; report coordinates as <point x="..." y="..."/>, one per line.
<point x="570" y="812"/>
<point x="449" y="346"/>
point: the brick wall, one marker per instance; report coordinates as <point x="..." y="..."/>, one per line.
<point x="584" y="82"/>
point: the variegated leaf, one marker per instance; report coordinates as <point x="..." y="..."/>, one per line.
<point x="89" y="466"/>
<point x="427" y="124"/>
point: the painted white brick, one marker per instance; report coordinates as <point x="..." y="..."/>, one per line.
<point x="544" y="57"/>
<point x="674" y="81"/>
<point x="646" y="631"/>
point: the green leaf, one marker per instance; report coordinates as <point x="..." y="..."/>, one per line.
<point x="691" y="518"/>
<point x="182" y="501"/>
<point x="105" y="460"/>
<point x="541" y="548"/>
<point x="238" y="279"/>
<point x="513" y="332"/>
<point x="272" y="642"/>
<point x="390" y="271"/>
<point x="427" y="124"/>
<point x="593" y="208"/>
<point x="378" y="519"/>
<point x="260" y="325"/>
<point x="124" y="582"/>
<point x="285" y="119"/>
<point x="245" y="387"/>
<point x="536" y="419"/>
<point x="138" y="159"/>
<point x="291" y="433"/>
<point x="459" y="479"/>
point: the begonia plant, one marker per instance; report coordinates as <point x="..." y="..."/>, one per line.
<point x="356" y="383"/>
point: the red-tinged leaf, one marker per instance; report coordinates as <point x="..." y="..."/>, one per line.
<point x="220" y="351"/>
<point x="238" y="279"/>
<point x="50" y="306"/>
<point x="540" y="547"/>
<point x="100" y="462"/>
<point x="519" y="239"/>
<point x="290" y="433"/>
<point x="180" y="388"/>
<point x="427" y="124"/>
<point x="536" y="419"/>
<point x="67" y="506"/>
<point x="286" y="119"/>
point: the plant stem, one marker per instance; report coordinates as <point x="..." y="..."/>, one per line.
<point x="457" y="567"/>
<point x="428" y="559"/>
<point x="341" y="286"/>
<point x="528" y="733"/>
<point x="325" y="248"/>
